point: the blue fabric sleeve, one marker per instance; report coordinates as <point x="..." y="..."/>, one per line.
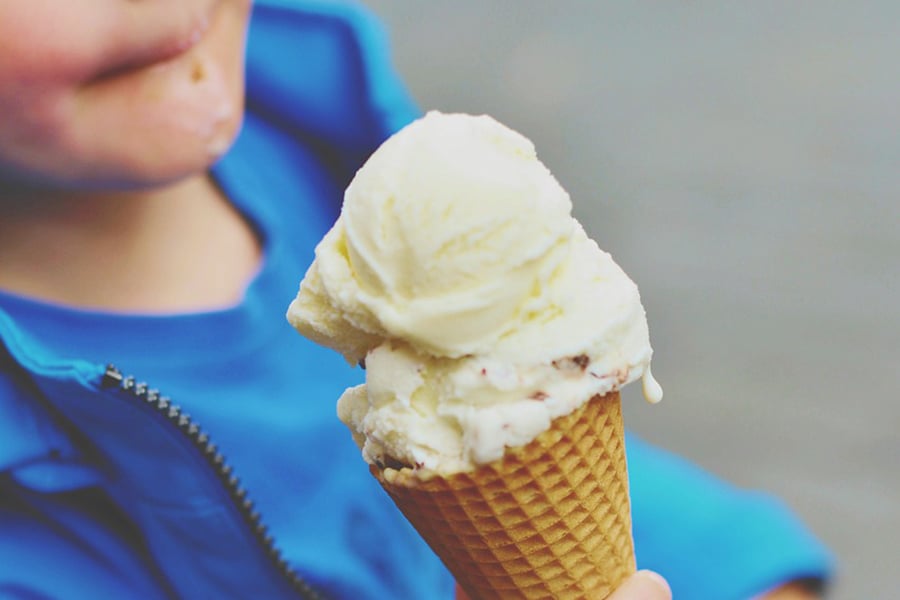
<point x="709" y="539"/>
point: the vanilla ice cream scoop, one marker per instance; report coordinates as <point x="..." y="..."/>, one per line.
<point x="442" y="236"/>
<point x="481" y="308"/>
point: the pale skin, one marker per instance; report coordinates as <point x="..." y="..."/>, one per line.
<point x="647" y="585"/>
<point x="643" y="585"/>
<point x="108" y="131"/>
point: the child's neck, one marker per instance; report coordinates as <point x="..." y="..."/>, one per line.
<point x="180" y="248"/>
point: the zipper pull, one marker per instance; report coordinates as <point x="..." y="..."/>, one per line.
<point x="112" y="377"/>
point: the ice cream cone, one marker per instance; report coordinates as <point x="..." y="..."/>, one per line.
<point x="550" y="519"/>
<point x="495" y="336"/>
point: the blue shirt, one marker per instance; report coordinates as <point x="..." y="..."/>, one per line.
<point x="109" y="489"/>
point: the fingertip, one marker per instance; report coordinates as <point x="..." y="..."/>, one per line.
<point x="656" y="581"/>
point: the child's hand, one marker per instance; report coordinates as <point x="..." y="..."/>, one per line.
<point x="643" y="585"/>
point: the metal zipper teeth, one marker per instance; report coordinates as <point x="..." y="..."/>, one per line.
<point x="113" y="378"/>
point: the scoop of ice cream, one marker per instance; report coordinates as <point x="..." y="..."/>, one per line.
<point x="443" y="235"/>
<point x="481" y="308"/>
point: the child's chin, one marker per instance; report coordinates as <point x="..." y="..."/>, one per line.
<point x="172" y="157"/>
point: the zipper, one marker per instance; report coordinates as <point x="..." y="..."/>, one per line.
<point x="163" y="406"/>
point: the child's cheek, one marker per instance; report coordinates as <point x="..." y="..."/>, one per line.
<point x="45" y="43"/>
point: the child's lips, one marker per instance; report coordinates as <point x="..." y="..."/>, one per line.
<point x="167" y="43"/>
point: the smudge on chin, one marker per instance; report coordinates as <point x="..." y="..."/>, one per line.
<point x="194" y="97"/>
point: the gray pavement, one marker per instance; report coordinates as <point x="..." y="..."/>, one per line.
<point x="742" y="163"/>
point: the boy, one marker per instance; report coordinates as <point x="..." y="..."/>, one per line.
<point x="133" y="232"/>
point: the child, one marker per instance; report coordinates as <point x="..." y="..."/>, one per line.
<point x="135" y="233"/>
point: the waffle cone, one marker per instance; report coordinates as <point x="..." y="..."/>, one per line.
<point x="550" y="519"/>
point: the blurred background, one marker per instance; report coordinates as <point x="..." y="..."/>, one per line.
<point x="741" y="161"/>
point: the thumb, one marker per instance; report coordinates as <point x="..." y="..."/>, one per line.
<point x="643" y="585"/>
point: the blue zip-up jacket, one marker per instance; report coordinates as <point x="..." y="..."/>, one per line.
<point x="220" y="470"/>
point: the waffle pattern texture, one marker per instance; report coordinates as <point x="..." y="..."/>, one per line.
<point x="550" y="519"/>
